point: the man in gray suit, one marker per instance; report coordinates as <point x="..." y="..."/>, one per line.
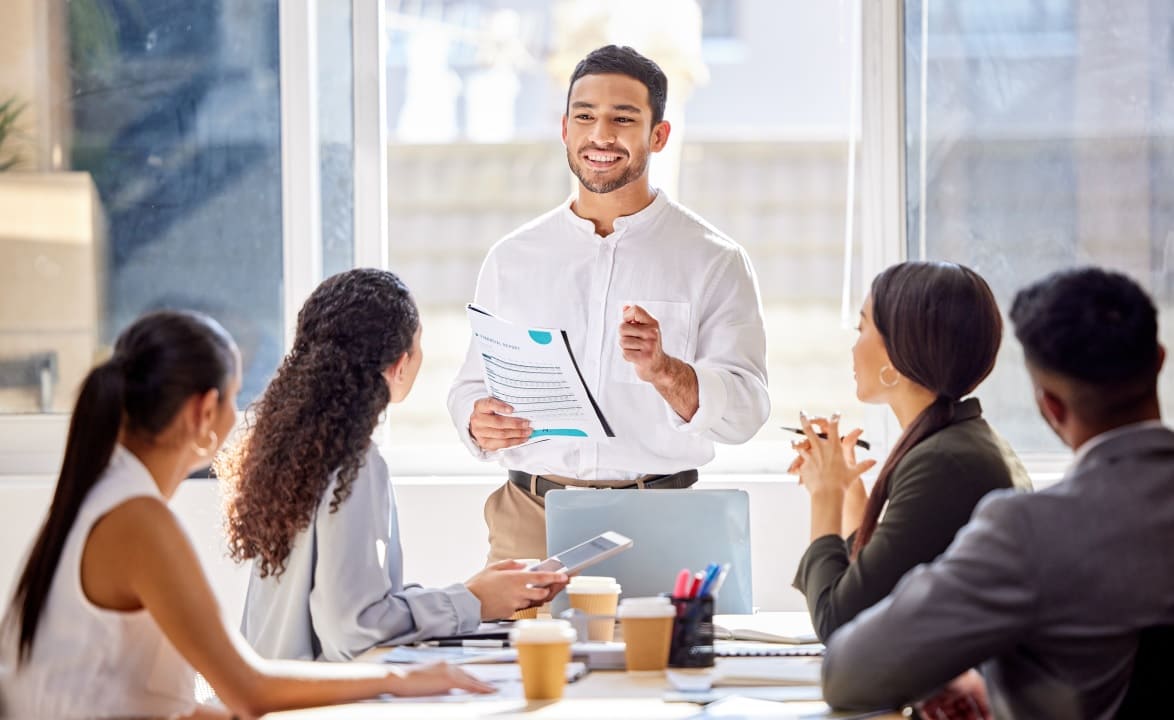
<point x="1046" y="593"/>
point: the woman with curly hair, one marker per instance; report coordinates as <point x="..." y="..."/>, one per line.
<point x="310" y="499"/>
<point x="112" y="614"/>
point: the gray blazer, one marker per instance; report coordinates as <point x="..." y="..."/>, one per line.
<point x="1046" y="592"/>
<point x="342" y="591"/>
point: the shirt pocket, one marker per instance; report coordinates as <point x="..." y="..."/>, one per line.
<point x="675" y="320"/>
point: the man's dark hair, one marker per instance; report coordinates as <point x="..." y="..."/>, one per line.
<point x="1097" y="328"/>
<point x="623" y="60"/>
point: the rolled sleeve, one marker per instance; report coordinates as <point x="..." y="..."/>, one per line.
<point x="732" y="397"/>
<point x="711" y="403"/>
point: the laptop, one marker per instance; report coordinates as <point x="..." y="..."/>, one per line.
<point x="670" y="530"/>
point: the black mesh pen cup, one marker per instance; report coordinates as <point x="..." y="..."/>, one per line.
<point x="692" y="633"/>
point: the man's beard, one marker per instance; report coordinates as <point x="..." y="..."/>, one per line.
<point x="633" y="171"/>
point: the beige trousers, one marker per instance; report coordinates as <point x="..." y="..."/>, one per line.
<point x="517" y="524"/>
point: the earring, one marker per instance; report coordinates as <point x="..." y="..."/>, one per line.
<point x="205" y="451"/>
<point x="882" y="377"/>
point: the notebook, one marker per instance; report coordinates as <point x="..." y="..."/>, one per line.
<point x="740" y="648"/>
<point x="670" y="530"/>
<point x="792" y="628"/>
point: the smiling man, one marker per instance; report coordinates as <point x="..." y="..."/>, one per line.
<point x="662" y="312"/>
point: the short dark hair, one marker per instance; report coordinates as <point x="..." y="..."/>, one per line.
<point x="623" y="60"/>
<point x="1095" y="327"/>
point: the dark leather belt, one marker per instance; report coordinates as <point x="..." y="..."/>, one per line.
<point x="543" y="485"/>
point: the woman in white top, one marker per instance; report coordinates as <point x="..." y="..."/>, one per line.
<point x="310" y="500"/>
<point x="112" y="614"/>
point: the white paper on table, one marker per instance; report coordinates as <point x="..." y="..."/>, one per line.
<point x="534" y="371"/>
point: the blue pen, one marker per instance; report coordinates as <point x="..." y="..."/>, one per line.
<point x="711" y="572"/>
<point x="721" y="578"/>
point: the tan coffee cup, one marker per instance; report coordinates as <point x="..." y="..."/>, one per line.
<point x="527" y="613"/>
<point x="596" y="595"/>
<point x="648" y="632"/>
<point x="544" y="649"/>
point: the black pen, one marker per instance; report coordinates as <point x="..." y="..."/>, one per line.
<point x="859" y="443"/>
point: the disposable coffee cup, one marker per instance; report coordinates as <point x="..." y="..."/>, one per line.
<point x="528" y="613"/>
<point x="648" y="632"/>
<point x="596" y="595"/>
<point x="544" y="649"/>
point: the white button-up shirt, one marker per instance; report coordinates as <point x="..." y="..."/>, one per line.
<point x="556" y="272"/>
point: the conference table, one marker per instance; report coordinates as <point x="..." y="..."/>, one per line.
<point x="600" y="694"/>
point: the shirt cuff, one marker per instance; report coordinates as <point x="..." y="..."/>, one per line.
<point x="711" y="403"/>
<point x="467" y="607"/>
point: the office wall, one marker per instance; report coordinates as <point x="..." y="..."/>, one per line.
<point x="442" y="529"/>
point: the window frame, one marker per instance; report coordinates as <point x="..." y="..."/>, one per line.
<point x="32" y="444"/>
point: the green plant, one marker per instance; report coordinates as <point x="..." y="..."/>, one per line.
<point x="10" y="111"/>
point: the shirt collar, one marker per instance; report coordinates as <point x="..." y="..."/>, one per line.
<point x="1108" y="435"/>
<point x="636" y="220"/>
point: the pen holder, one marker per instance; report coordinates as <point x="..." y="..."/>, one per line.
<point x="692" y="633"/>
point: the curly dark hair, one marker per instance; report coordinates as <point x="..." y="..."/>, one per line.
<point x="317" y="415"/>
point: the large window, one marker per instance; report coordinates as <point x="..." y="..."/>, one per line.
<point x="763" y="115"/>
<point x="1040" y="135"/>
<point x="162" y="121"/>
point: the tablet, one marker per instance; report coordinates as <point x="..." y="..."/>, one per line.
<point x="586" y="554"/>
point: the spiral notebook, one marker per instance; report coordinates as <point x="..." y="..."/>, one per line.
<point x="742" y="648"/>
<point x="790" y="628"/>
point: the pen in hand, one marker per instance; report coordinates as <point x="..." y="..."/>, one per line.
<point x="863" y="444"/>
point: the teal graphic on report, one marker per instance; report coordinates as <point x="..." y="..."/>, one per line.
<point x="558" y="432"/>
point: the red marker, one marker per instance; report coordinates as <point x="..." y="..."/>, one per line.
<point x="683" y="585"/>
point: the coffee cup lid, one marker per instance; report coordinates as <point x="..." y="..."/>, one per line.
<point x="646" y="607"/>
<point x="593" y="584"/>
<point x="542" y="631"/>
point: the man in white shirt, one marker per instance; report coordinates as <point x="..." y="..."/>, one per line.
<point x="662" y="311"/>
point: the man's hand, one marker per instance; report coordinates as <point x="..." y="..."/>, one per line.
<point x="640" y="342"/>
<point x="506" y="586"/>
<point x="492" y="427"/>
<point x="674" y="379"/>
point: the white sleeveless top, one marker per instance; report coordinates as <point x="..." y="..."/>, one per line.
<point x="87" y="662"/>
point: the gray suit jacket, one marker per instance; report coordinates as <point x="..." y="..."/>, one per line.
<point x="1046" y="592"/>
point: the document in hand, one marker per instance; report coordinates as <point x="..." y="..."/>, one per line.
<point x="534" y="371"/>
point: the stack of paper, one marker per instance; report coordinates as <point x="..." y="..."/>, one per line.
<point x="534" y="371"/>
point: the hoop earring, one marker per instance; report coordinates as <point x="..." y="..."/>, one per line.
<point x="205" y="451"/>
<point x="882" y="377"/>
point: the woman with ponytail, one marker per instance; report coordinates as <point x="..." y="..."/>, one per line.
<point x="929" y="334"/>
<point x="112" y="614"/>
<point x="309" y="497"/>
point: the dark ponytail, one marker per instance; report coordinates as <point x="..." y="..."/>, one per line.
<point x="942" y="330"/>
<point x="159" y="362"/>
